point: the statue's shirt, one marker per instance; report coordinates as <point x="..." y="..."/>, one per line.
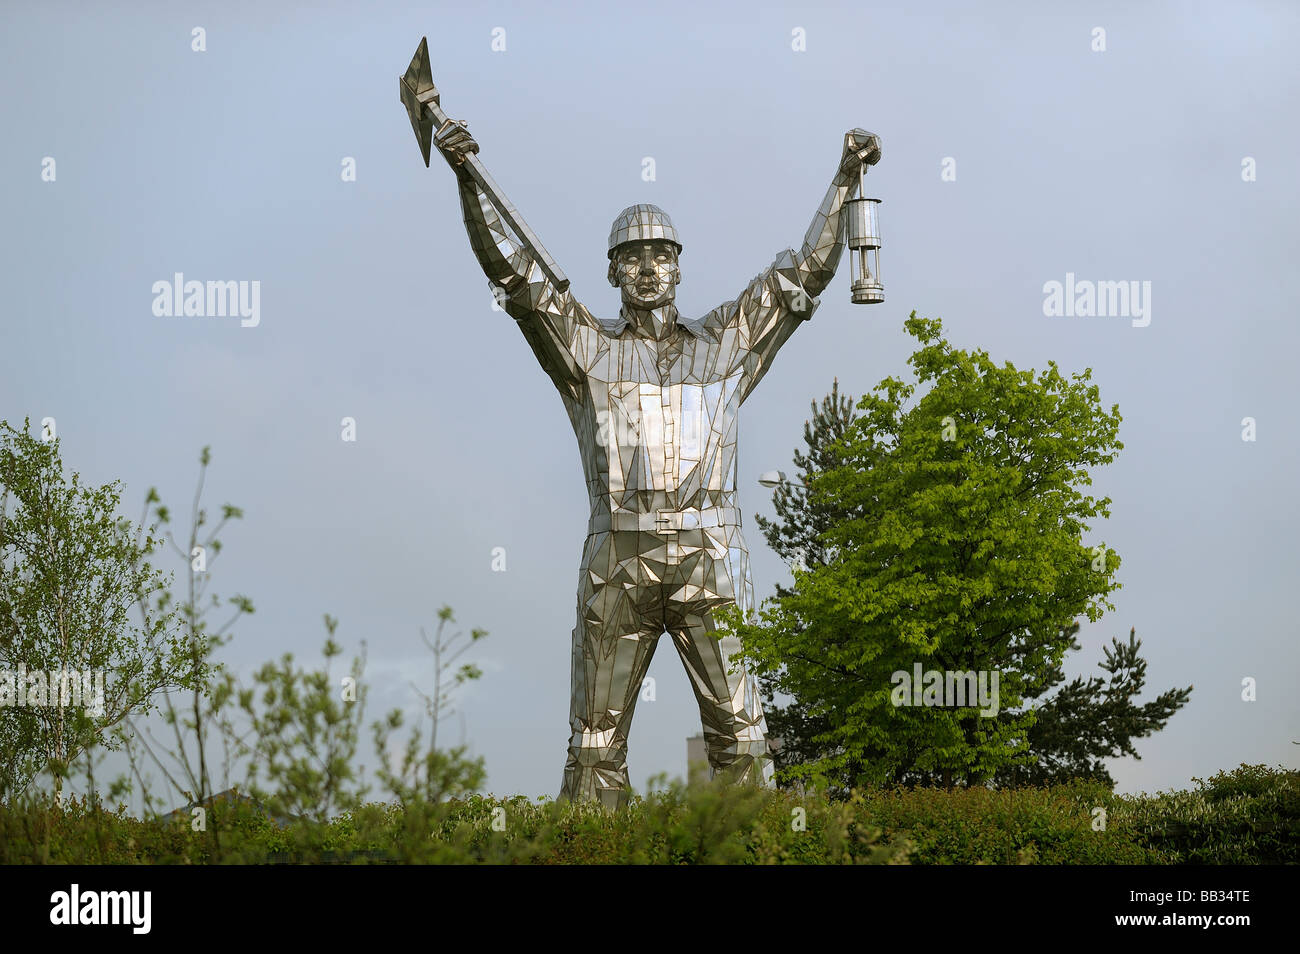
<point x="656" y="421"/>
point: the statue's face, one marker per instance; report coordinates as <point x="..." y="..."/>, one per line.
<point x="646" y="272"/>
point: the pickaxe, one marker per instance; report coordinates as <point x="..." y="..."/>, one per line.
<point x="421" y="99"/>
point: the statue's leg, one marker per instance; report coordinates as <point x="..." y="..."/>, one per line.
<point x="612" y="647"/>
<point x="735" y="731"/>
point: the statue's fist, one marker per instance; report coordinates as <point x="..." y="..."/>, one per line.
<point x="455" y="142"/>
<point x="860" y="147"/>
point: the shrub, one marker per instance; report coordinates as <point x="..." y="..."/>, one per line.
<point x="1250" y="815"/>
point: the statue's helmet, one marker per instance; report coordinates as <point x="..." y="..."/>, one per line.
<point x="642" y="223"/>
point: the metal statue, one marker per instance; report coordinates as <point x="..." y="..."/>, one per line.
<point x="653" y="398"/>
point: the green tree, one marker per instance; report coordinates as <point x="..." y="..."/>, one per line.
<point x="424" y="774"/>
<point x="201" y="715"/>
<point x="71" y="574"/>
<point x="946" y="528"/>
<point x="305" y="729"/>
<point x="1075" y="729"/>
<point x="797" y="537"/>
<point x="1088" y="720"/>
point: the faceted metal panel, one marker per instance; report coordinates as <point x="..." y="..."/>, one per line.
<point x="639" y="223"/>
<point x="654" y="399"/>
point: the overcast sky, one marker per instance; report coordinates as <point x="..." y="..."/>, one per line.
<point x="1122" y="164"/>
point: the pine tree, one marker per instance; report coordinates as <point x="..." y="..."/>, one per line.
<point x="1090" y="720"/>
<point x="796" y="536"/>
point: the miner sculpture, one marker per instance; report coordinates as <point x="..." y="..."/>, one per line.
<point x="653" y="398"/>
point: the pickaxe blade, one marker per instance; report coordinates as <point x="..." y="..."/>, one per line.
<point x="421" y="99"/>
<point x="416" y="87"/>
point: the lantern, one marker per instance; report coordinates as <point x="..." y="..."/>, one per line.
<point x="864" y="243"/>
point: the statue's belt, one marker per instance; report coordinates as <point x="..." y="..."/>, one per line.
<point x="667" y="521"/>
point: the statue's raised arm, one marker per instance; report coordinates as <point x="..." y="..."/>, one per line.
<point x="784" y="296"/>
<point x="525" y="280"/>
<point x="506" y="262"/>
<point x="423" y="105"/>
<point x="819" y="256"/>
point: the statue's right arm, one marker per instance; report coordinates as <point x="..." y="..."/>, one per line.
<point x="551" y="320"/>
<point x="505" y="262"/>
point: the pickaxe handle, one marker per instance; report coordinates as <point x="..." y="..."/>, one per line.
<point x="421" y="99"/>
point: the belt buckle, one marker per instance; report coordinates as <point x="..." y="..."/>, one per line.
<point x="672" y="521"/>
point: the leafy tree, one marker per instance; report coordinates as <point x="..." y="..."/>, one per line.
<point x="71" y="574"/>
<point x="946" y="529"/>
<point x="296" y="731"/>
<point x="446" y="650"/>
<point x="425" y="774"/>
<point x="201" y="714"/>
<point x="797" y="538"/>
<point x="305" y="735"/>
<point x="1084" y="723"/>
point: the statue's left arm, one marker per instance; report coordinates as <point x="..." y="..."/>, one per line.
<point x="819" y="256"/>
<point x="784" y="296"/>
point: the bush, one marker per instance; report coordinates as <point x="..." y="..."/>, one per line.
<point x="977" y="825"/>
<point x="1250" y="815"/>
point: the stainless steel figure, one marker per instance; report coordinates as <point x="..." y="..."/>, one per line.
<point x="653" y="398"/>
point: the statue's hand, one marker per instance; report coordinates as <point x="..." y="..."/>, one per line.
<point x="455" y="142"/>
<point x="859" y="146"/>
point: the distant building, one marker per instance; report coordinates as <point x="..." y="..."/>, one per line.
<point x="697" y="757"/>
